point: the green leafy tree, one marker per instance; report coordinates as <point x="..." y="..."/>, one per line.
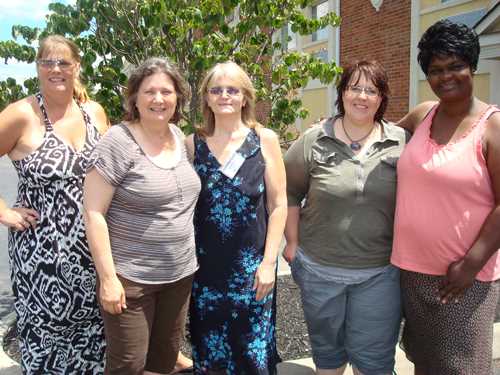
<point x="115" y="35"/>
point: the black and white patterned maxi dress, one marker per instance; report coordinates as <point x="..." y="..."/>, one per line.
<point x="52" y="273"/>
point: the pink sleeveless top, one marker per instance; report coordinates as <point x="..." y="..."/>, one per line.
<point x="444" y="195"/>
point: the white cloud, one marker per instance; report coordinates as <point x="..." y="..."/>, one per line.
<point x="33" y="10"/>
<point x="18" y="70"/>
<point x="22" y="12"/>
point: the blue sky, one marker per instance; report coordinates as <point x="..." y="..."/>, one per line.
<point x="20" y="12"/>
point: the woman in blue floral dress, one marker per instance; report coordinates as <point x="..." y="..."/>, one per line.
<point x="239" y="223"/>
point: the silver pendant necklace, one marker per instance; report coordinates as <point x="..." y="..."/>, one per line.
<point x="355" y="144"/>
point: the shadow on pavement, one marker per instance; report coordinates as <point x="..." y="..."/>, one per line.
<point x="6" y="301"/>
<point x="291" y="368"/>
<point x="12" y="370"/>
<point x="497" y="317"/>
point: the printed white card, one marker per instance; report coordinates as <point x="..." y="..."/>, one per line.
<point x="233" y="165"/>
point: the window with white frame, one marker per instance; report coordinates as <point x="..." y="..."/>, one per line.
<point x="317" y="11"/>
<point x="321" y="54"/>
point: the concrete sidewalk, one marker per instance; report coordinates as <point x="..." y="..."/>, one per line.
<point x="297" y="367"/>
<point x="7" y="365"/>
<point x="403" y="366"/>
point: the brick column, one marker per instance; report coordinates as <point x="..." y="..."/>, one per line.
<point x="383" y="36"/>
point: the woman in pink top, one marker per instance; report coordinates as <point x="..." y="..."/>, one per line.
<point x="447" y="225"/>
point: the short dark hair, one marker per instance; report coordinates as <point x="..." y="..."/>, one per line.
<point x="148" y="68"/>
<point x="446" y="38"/>
<point x="371" y="70"/>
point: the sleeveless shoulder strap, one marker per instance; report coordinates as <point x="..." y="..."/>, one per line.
<point x="481" y="124"/>
<point x="491" y="110"/>
<point x="431" y="110"/>
<point x="199" y="144"/>
<point x="86" y="116"/>
<point x="251" y="144"/>
<point x="427" y="120"/>
<point x="196" y="139"/>
<point x="480" y="129"/>
<point x="48" y="124"/>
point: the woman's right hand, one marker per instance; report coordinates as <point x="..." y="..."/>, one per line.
<point x="19" y="218"/>
<point x="289" y="252"/>
<point x="112" y="296"/>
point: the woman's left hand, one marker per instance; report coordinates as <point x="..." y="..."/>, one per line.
<point x="458" y="279"/>
<point x="264" y="280"/>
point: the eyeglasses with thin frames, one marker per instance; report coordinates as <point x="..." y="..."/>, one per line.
<point x="219" y="90"/>
<point x="51" y="64"/>
<point x="358" y="90"/>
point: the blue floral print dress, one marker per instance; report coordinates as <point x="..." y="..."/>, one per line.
<point x="231" y="332"/>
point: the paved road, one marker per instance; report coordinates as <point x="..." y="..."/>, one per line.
<point x="8" y="181"/>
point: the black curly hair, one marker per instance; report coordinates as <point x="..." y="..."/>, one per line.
<point x="446" y="38"/>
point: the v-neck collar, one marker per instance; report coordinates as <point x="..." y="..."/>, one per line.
<point x="248" y="147"/>
<point x="49" y="127"/>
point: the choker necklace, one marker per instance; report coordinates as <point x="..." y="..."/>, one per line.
<point x="355" y="143"/>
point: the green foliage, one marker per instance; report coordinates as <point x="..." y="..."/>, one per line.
<point x="116" y="34"/>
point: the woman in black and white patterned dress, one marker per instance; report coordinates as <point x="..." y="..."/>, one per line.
<point x="49" y="138"/>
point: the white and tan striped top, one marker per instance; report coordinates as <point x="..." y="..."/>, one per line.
<point x="150" y="218"/>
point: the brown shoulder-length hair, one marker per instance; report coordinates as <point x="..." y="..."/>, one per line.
<point x="372" y="71"/>
<point x="235" y="72"/>
<point x="55" y="42"/>
<point x="148" y="68"/>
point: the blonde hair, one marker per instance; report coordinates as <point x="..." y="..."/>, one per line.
<point x="54" y="42"/>
<point x="236" y="73"/>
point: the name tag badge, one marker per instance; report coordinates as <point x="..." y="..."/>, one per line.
<point x="233" y="165"/>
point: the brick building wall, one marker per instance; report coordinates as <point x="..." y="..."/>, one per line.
<point x="263" y="111"/>
<point x="383" y="36"/>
